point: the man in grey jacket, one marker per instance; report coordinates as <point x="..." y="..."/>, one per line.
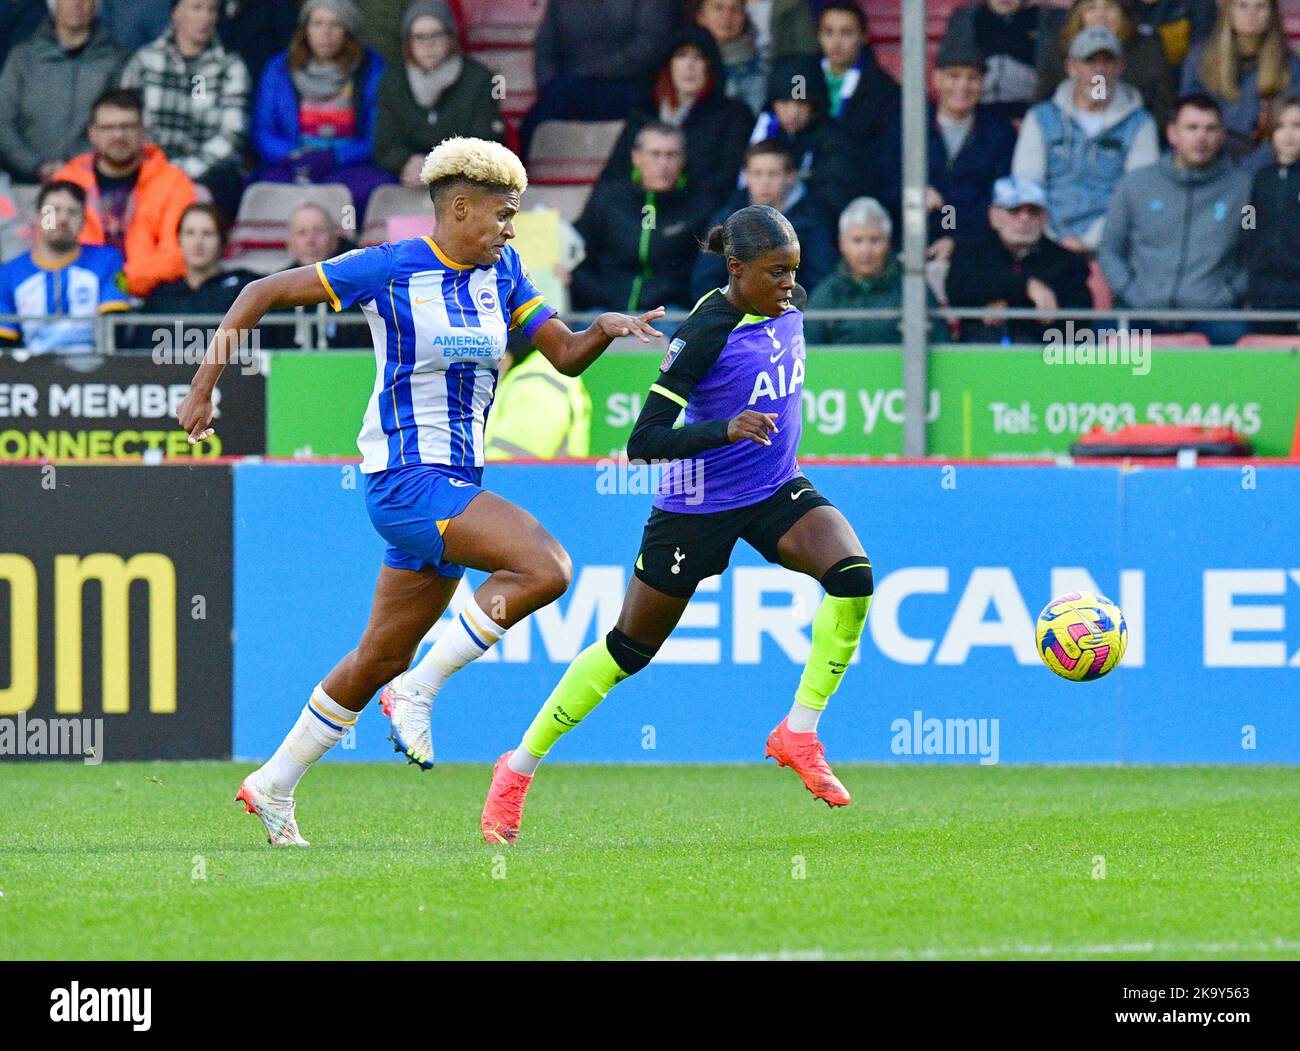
<point x="47" y="88"/>
<point x="1174" y="237"/>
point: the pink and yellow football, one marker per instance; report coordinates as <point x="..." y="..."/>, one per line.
<point x="1082" y="636"/>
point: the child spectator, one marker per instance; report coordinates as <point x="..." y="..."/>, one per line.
<point x="1273" y="262"/>
<point x="435" y="93"/>
<point x="314" y="116"/>
<point x="195" y="100"/>
<point x="772" y="179"/>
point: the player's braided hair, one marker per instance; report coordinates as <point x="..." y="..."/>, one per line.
<point x="750" y="232"/>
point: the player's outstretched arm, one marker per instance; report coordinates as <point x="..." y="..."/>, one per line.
<point x="290" y="288"/>
<point x="571" y="352"/>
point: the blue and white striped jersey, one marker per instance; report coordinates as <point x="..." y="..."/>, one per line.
<point x="439" y="329"/>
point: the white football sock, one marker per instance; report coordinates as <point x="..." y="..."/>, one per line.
<point x="802" y="719"/>
<point x="522" y="761"/>
<point x="320" y="726"/>
<point x="470" y="636"/>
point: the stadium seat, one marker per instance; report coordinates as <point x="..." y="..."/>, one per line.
<point x="569" y="201"/>
<point x="516" y="67"/>
<point x="570" y="152"/>
<point x="388" y="201"/>
<point x="261" y="232"/>
<point x="1275" y="342"/>
<point x="500" y="23"/>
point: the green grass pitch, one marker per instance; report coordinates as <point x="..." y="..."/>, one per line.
<point x="156" y="861"/>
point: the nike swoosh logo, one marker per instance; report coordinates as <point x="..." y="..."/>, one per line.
<point x="457" y="481"/>
<point x="777" y="357"/>
<point x="420" y="302"/>
<point x="795" y="496"/>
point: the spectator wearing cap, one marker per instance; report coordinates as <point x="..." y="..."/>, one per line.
<point x="970" y="148"/>
<point x="862" y="96"/>
<point x="1248" y="68"/>
<point x="1010" y="35"/>
<point x="745" y="70"/>
<point x="642" y="232"/>
<point x="314" y="117"/>
<point x="688" y="94"/>
<point x="1079" y="144"/>
<point x="435" y="93"/>
<point x="203" y="132"/>
<point x="868" y="277"/>
<point x="796" y="116"/>
<point x="1174" y="237"/>
<point x="47" y="87"/>
<point x="772" y="179"/>
<point x="1016" y="265"/>
<point x="595" y="61"/>
<point x="1145" y="65"/>
<point x="134" y="194"/>
<point x="1274" y="263"/>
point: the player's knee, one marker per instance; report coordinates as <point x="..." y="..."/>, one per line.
<point x="380" y="666"/>
<point x="850" y="578"/>
<point x="629" y="654"/>
<point x="552" y="571"/>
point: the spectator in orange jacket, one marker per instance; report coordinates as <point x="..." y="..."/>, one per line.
<point x="134" y="195"/>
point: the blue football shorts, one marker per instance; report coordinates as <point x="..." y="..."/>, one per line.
<point x="410" y="507"/>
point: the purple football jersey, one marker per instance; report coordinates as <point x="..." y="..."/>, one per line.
<point x="723" y="362"/>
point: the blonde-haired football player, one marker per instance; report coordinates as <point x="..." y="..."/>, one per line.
<point x="439" y="308"/>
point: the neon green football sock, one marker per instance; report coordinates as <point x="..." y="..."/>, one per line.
<point x="589" y="678"/>
<point x="836" y="629"/>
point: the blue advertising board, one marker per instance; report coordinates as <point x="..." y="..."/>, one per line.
<point x="1205" y="563"/>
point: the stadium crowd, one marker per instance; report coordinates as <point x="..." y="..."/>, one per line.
<point x="1131" y="153"/>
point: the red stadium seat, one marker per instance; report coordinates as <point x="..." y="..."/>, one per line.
<point x="389" y="201"/>
<point x="261" y="229"/>
<point x="515" y="65"/>
<point x="569" y="152"/>
<point x="500" y="23"/>
<point x="1275" y="342"/>
<point x="569" y="201"/>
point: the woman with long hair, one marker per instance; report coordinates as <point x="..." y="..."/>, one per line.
<point x="314" y="117"/>
<point x="1248" y="67"/>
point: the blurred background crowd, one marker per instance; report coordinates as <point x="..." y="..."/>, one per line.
<point x="1095" y="154"/>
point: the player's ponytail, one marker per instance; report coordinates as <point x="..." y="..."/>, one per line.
<point x="750" y="232"/>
